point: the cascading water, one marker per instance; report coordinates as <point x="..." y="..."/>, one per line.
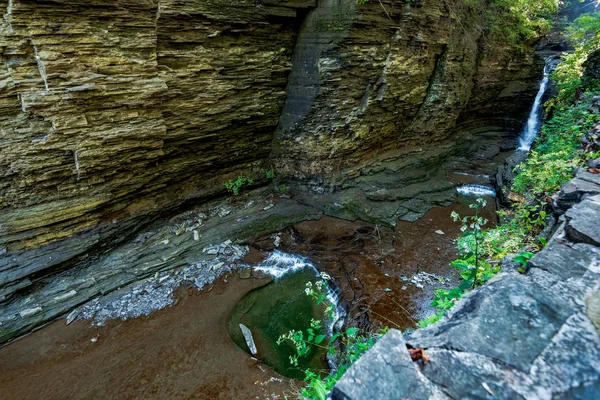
<point x="278" y="264"/>
<point x="476" y="190"/>
<point x="533" y="123"/>
<point x="282" y="306"/>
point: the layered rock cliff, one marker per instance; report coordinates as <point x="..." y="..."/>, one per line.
<point x="114" y="113"/>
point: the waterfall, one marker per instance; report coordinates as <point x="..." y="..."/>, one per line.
<point x="476" y="191"/>
<point x="534" y="121"/>
<point x="278" y="264"/>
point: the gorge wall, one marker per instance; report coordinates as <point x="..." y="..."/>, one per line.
<point x="116" y="113"/>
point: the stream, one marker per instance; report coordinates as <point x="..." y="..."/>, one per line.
<point x="280" y="307"/>
<point x="383" y="277"/>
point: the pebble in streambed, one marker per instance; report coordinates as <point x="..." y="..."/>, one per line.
<point x="155" y="293"/>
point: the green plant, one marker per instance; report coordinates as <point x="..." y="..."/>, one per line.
<point x="269" y="173"/>
<point x="471" y="261"/>
<point x="584" y="35"/>
<point x="515" y="22"/>
<point x="235" y="186"/>
<point x="522" y="259"/>
<point x="347" y="346"/>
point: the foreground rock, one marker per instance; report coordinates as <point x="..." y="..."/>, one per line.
<point x="521" y="336"/>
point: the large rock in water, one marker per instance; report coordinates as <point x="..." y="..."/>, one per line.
<point x="113" y="112"/>
<point x="520" y="336"/>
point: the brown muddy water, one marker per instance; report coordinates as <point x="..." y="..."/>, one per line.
<point x="185" y="352"/>
<point x="373" y="266"/>
<point x="181" y="352"/>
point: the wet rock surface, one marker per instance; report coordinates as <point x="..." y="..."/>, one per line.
<point x="531" y="335"/>
<point x="195" y="246"/>
<point x="116" y="113"/>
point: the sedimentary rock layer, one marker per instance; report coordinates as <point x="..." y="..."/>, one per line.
<point x="113" y="113"/>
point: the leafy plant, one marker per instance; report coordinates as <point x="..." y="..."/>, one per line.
<point x="584" y="35"/>
<point x="347" y="346"/>
<point x="269" y="173"/>
<point x="471" y="262"/>
<point x="522" y="259"/>
<point x="515" y="22"/>
<point x="235" y="186"/>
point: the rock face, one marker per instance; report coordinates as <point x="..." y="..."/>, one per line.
<point x="521" y="336"/>
<point x="584" y="184"/>
<point x="403" y="79"/>
<point x="114" y="113"/>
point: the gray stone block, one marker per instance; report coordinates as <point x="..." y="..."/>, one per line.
<point x="583" y="222"/>
<point x="510" y="319"/>
<point x="386" y="372"/>
<point x="561" y="260"/>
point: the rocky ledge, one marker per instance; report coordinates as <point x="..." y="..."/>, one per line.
<point x="522" y="336"/>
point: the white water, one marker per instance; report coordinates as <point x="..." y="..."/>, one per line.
<point x="278" y="264"/>
<point x="476" y="190"/>
<point x="534" y="121"/>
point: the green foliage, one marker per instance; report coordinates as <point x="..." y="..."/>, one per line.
<point x="584" y="35"/>
<point x="522" y="259"/>
<point x="474" y="269"/>
<point x="349" y="346"/>
<point x="556" y="155"/>
<point x="516" y="22"/>
<point x="473" y="265"/>
<point x="550" y="165"/>
<point x="269" y="173"/>
<point x="235" y="186"/>
<point x="424" y="323"/>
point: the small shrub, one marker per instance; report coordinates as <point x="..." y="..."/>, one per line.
<point x="349" y="346"/>
<point x="235" y="186"/>
<point x="269" y="173"/>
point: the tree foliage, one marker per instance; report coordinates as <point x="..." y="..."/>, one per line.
<point x="584" y="36"/>
<point x="516" y="22"/>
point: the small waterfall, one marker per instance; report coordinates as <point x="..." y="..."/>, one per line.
<point x="534" y="121"/>
<point x="476" y="191"/>
<point x="278" y="264"/>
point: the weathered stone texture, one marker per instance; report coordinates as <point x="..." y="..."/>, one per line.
<point x="111" y="111"/>
<point x="403" y="74"/>
<point x="383" y="94"/>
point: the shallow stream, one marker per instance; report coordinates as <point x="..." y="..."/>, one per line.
<point x="274" y="310"/>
